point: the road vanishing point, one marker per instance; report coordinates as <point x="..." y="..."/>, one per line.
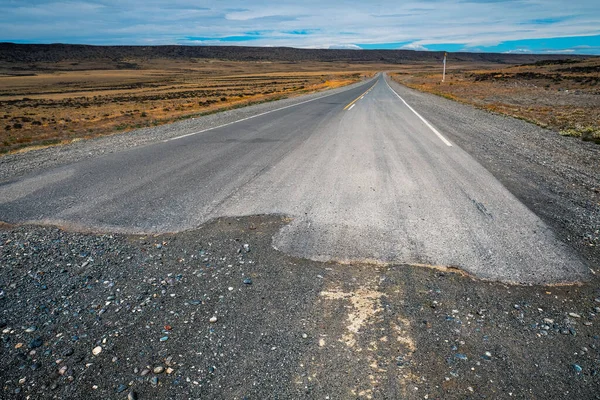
<point x="361" y="174"/>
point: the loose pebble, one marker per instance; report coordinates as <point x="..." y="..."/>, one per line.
<point x="213" y="319"/>
<point x="158" y="370"/>
<point x="97" y="350"/>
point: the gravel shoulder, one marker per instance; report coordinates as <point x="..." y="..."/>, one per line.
<point x="556" y="177"/>
<point x="16" y="165"/>
<point x="107" y="316"/>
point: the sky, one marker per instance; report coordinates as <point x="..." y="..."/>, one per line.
<point x="511" y="26"/>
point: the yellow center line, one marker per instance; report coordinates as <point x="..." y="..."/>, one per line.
<point x="359" y="97"/>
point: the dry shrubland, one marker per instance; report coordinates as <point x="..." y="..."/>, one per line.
<point x="60" y="102"/>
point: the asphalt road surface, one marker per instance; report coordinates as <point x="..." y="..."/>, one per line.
<point x="363" y="177"/>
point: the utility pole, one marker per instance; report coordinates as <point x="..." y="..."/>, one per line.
<point x="444" y="74"/>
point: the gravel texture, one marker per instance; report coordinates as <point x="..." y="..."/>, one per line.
<point x="20" y="164"/>
<point x="115" y="316"/>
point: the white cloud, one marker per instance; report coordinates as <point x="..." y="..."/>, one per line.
<point x="471" y="23"/>
<point x="344" y="46"/>
<point x="519" y="51"/>
<point x="414" y="46"/>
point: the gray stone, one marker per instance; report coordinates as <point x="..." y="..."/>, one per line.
<point x="159" y="370"/>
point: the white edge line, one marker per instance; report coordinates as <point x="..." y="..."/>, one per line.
<point x="352" y="106"/>
<point x="442" y="138"/>
<point x="247" y="118"/>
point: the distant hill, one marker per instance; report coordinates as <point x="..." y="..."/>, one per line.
<point x="52" y="53"/>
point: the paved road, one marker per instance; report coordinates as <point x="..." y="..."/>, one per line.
<point x="363" y="180"/>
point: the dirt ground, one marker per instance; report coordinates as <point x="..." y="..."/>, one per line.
<point x="46" y="104"/>
<point x="562" y="95"/>
<point x="218" y="313"/>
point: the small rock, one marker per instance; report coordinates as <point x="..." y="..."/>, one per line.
<point x="577" y="368"/>
<point x="63" y="370"/>
<point x="248" y="281"/>
<point x="164" y="338"/>
<point x="487" y="356"/>
<point x="587" y="323"/>
<point x="31" y="329"/>
<point x="68" y="352"/>
<point x="247" y="248"/>
<point x="213" y="320"/>
<point x="132" y="396"/>
<point x="159" y="370"/>
<point x="121" y="388"/>
<point x="461" y="356"/>
<point x="597" y="299"/>
<point x="154" y="381"/>
<point x="230" y="288"/>
<point x="35" y="343"/>
<point x="572" y="314"/>
<point x="304" y="336"/>
<point x="169" y="370"/>
<point x="548" y="321"/>
<point x="572" y="331"/>
<point x="145" y="372"/>
<point x="97" y="350"/>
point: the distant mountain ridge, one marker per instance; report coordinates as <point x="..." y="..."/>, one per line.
<point x="32" y="53"/>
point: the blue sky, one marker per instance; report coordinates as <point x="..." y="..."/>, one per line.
<point x="519" y="26"/>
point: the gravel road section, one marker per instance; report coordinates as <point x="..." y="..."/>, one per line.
<point x="123" y="317"/>
<point x="20" y="164"/>
<point x="556" y="177"/>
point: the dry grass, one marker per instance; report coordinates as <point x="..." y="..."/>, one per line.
<point x="563" y="96"/>
<point x="54" y="104"/>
